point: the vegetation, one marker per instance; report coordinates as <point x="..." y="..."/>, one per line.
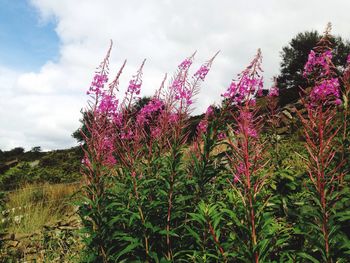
<point x="37" y="205"/>
<point x="20" y="168"/>
<point x="226" y="186"/>
<point x="239" y="191"/>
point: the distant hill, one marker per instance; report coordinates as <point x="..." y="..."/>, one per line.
<point x="18" y="167"/>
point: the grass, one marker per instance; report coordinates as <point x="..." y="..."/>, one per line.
<point x="37" y="205"/>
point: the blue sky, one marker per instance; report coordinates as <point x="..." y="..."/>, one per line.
<point x="26" y="41"/>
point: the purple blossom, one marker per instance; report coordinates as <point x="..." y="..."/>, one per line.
<point x="209" y="111"/>
<point x="318" y="61"/>
<point x="181" y="91"/>
<point x="98" y="83"/>
<point x="185" y="64"/>
<point x="126" y="135"/>
<point x="249" y="84"/>
<point x="244" y="89"/>
<point x="273" y="92"/>
<point x="221" y="136"/>
<point x="117" y="119"/>
<point x="107" y="149"/>
<point x="202" y="126"/>
<point x="252" y="102"/>
<point x="146" y="112"/>
<point x="252" y="132"/>
<point x="173" y="117"/>
<point x="326" y="89"/>
<point x="202" y="72"/>
<point x="108" y="105"/>
<point x="348" y="59"/>
<point x="134" y="86"/>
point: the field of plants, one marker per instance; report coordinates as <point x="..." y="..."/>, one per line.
<point x="235" y="191"/>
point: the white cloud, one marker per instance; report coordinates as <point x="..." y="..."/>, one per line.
<point x="42" y="108"/>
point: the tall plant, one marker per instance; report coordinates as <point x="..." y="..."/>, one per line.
<point x="321" y="128"/>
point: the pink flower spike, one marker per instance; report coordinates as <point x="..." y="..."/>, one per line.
<point x="185" y="64"/>
<point x="202" y="72"/>
<point x="248" y="84"/>
<point x="202" y="126"/>
<point x="221" y="136"/>
<point x="209" y="111"/>
<point x="273" y="92"/>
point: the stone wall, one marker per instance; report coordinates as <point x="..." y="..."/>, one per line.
<point x="58" y="242"/>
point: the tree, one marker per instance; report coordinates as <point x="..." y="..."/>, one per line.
<point x="294" y="57"/>
<point x="36" y="149"/>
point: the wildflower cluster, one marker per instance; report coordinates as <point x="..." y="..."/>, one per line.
<point x="319" y="63"/>
<point x="182" y="93"/>
<point x="98" y="83"/>
<point x="325" y="90"/>
<point x="273" y="91"/>
<point x="203" y="124"/>
<point x="154" y="106"/>
<point x="249" y="83"/>
<point x="162" y="188"/>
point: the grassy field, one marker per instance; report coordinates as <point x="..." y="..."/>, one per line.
<point x="33" y="206"/>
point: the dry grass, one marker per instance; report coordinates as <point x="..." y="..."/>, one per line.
<point x="37" y="205"/>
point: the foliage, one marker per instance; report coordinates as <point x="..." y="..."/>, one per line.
<point x="61" y="166"/>
<point x="236" y="192"/>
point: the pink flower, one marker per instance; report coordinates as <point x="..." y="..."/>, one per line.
<point x="127" y="135"/>
<point x="209" y="111"/>
<point x="273" y="92"/>
<point x="252" y="102"/>
<point x="173" y="118"/>
<point x="108" y="105"/>
<point x="97" y="84"/>
<point x="202" y="72"/>
<point x="110" y="160"/>
<point x="248" y="84"/>
<point x="134" y="86"/>
<point x="202" y="126"/>
<point x="318" y="62"/>
<point x="326" y="89"/>
<point x="147" y="111"/>
<point x="181" y="91"/>
<point x="185" y="64"/>
<point x="221" y="136"/>
<point x="252" y="132"/>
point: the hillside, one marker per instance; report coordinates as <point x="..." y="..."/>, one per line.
<point x="18" y="167"/>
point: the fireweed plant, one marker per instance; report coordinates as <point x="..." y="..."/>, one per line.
<point x="234" y="224"/>
<point x="325" y="212"/>
<point x="153" y="194"/>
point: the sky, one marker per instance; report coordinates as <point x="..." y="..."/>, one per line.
<point x="49" y="50"/>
